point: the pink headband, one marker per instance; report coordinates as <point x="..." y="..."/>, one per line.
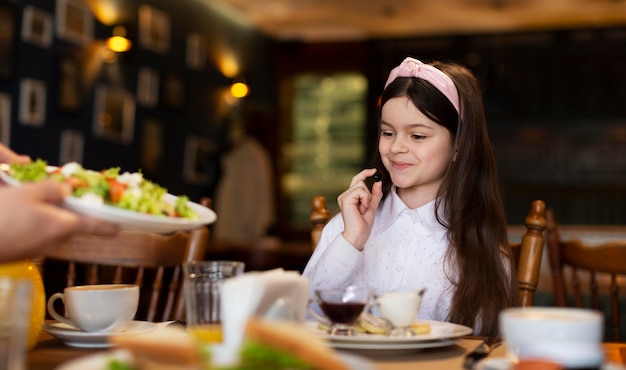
<point x="411" y="67"/>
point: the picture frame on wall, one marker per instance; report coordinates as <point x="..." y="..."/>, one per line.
<point x="72" y="144"/>
<point x="70" y="84"/>
<point x="5" y="119"/>
<point x="151" y="146"/>
<point x="7" y="40"/>
<point x="173" y="91"/>
<point x="197" y="167"/>
<point x="147" y="87"/>
<point x="114" y="114"/>
<point x="154" y="29"/>
<point x="32" y="102"/>
<point x="196" y="51"/>
<point x="74" y="21"/>
<point x="37" y="26"/>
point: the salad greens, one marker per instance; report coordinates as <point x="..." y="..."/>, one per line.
<point x="115" y="364"/>
<point x="127" y="190"/>
<point x="34" y="171"/>
<point x="259" y="356"/>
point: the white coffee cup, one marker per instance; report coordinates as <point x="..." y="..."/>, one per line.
<point x="400" y="308"/>
<point x="97" y="308"/>
<point x="571" y="337"/>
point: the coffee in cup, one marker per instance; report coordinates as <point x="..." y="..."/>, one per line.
<point x="97" y="308"/>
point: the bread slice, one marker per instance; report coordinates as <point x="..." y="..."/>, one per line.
<point x="297" y="340"/>
<point x="164" y="348"/>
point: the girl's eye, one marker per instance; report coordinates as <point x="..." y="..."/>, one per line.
<point x="418" y="136"/>
<point x="386" y="133"/>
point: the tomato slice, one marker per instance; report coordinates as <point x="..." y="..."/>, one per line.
<point x="116" y="190"/>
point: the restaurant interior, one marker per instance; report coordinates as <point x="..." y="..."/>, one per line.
<point x="253" y="108"/>
<point x="167" y="102"/>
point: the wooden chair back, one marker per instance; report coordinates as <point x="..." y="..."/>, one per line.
<point x="602" y="262"/>
<point x="319" y="217"/>
<point x="527" y="253"/>
<point x="151" y="261"/>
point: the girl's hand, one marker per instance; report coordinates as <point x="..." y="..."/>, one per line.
<point x="358" y="206"/>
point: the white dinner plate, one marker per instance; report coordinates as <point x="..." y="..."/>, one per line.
<point x="131" y="220"/>
<point x="136" y="221"/>
<point x="441" y="334"/>
<point x="76" y="338"/>
<point x="100" y="361"/>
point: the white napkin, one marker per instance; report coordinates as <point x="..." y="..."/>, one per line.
<point x="273" y="294"/>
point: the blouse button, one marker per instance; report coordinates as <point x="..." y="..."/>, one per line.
<point x="399" y="268"/>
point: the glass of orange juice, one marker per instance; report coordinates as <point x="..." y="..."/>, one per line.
<point x="210" y="333"/>
<point x="202" y="292"/>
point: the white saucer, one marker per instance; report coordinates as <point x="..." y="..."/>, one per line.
<point x="76" y="338"/>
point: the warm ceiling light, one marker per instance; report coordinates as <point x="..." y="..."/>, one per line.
<point x="239" y="90"/>
<point x="118" y="42"/>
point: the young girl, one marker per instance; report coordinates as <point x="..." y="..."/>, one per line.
<point x="436" y="219"/>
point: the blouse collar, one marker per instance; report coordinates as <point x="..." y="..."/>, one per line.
<point x="393" y="206"/>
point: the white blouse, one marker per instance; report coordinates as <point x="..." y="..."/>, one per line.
<point x="406" y="250"/>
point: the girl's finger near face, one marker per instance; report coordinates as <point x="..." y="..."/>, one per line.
<point x="362" y="176"/>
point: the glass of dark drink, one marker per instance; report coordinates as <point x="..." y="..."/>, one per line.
<point x="343" y="306"/>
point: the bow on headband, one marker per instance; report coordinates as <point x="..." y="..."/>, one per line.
<point x="411" y="67"/>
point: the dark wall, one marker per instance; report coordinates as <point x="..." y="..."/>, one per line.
<point x="198" y="110"/>
<point x="555" y="112"/>
<point x="555" y="109"/>
<point x="554" y="101"/>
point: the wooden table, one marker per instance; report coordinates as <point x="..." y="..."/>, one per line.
<point x="51" y="352"/>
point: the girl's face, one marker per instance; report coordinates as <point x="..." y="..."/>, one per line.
<point x="415" y="150"/>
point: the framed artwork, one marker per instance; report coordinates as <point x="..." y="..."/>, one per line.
<point x="151" y="146"/>
<point x="173" y="91"/>
<point x="196" y="51"/>
<point x="74" y="21"/>
<point x="72" y="143"/>
<point x="154" y="29"/>
<point x="114" y="114"/>
<point x="7" y="40"/>
<point x="197" y="161"/>
<point x="37" y="26"/>
<point x="147" y="87"/>
<point x="32" y="102"/>
<point x="5" y="119"/>
<point x="70" y="84"/>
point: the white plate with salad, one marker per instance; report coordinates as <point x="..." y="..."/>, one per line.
<point x="126" y="199"/>
<point x="121" y="359"/>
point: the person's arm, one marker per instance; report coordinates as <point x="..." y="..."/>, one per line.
<point x="9" y="156"/>
<point x="31" y="220"/>
<point x="335" y="260"/>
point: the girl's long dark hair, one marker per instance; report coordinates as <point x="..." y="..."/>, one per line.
<point x="470" y="195"/>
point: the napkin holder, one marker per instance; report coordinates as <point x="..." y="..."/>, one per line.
<point x="275" y="295"/>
